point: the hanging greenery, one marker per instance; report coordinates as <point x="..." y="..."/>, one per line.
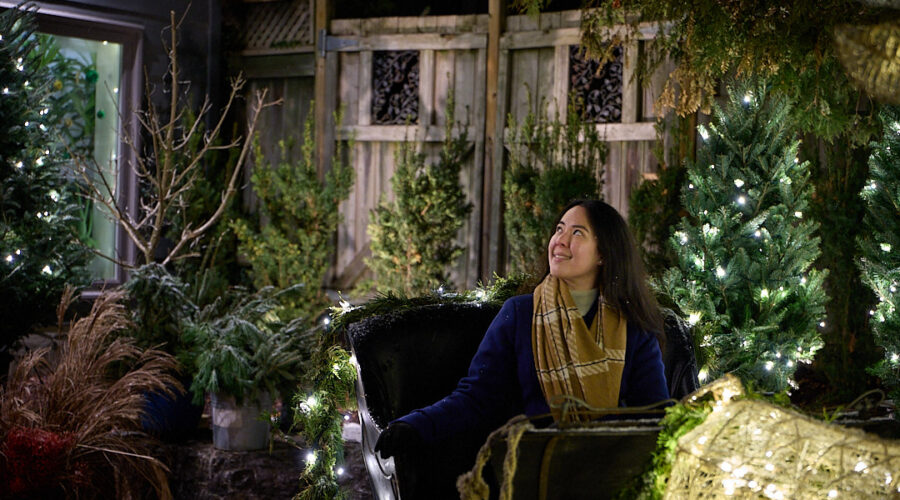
<point x="413" y="237"/>
<point x="551" y="162"/>
<point x="293" y="241"/>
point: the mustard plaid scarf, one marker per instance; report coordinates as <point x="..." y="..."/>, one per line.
<point x="571" y="359"/>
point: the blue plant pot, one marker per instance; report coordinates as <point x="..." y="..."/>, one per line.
<point x="171" y="419"/>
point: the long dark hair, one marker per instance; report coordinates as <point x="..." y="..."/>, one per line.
<point x="622" y="278"/>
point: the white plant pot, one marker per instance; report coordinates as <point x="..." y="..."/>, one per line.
<point x="239" y="427"/>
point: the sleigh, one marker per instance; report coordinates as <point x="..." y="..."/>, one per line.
<point x="410" y="359"/>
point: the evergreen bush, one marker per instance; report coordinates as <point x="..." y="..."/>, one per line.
<point x="746" y="248"/>
<point x="293" y="242"/>
<point x="39" y="246"/>
<point x="879" y="258"/>
<point x="550" y="164"/>
<point x="413" y="237"/>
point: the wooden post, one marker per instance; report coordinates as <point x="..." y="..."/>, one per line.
<point x="491" y="214"/>
<point x="324" y="126"/>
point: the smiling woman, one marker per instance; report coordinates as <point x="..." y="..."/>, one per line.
<point x="590" y="330"/>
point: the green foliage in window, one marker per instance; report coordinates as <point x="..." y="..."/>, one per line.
<point x="413" y="237"/>
<point x="293" y="242"/>
<point x="551" y="163"/>
<point x="39" y="248"/>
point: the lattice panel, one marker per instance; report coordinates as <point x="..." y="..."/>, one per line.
<point x="598" y="91"/>
<point x="279" y="24"/>
<point x="395" y="87"/>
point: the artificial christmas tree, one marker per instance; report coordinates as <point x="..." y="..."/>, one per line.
<point x="39" y="247"/>
<point x="880" y="247"/>
<point x="745" y="251"/>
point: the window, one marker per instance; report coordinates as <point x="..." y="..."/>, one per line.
<point x="97" y="85"/>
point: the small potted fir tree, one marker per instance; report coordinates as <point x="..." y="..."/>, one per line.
<point x="244" y="357"/>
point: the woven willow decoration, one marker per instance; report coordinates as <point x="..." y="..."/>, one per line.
<point x="753" y="449"/>
<point x="871" y="56"/>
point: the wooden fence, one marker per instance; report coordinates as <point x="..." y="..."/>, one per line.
<point x="534" y="55"/>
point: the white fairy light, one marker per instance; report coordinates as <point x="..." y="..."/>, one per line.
<point x="720" y="272"/>
<point x="40" y="161"/>
<point x="798" y="214"/>
<point x="757" y="233"/>
<point x="712" y="167"/>
<point x="440" y="290"/>
<point x="54" y="195"/>
<point x="47" y="270"/>
<point x="725" y="466"/>
<point x="738" y="183"/>
<point x="346" y="417"/>
<point x="479" y="294"/>
<point x="894" y="357"/>
<point x="703" y="133"/>
<point x="698" y="262"/>
<point x="778" y="355"/>
<point x="691" y="186"/>
<point x="832" y="494"/>
<point x="741" y="200"/>
<point x="796" y="160"/>
<point x="311" y="401"/>
<point x="769" y="467"/>
<point x="764" y="293"/>
<point x="10" y="258"/>
<point x="803" y="280"/>
<point x="326" y="321"/>
<point x="769" y="366"/>
<point x="311" y="458"/>
<point x="860" y="466"/>
<point x="747" y="99"/>
<point x="822" y="324"/>
<point x="340" y="471"/>
<point x="789" y="364"/>
<point x="18" y="164"/>
<point x="886" y="247"/>
<point x="693" y="318"/>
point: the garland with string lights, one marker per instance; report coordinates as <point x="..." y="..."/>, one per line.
<point x="880" y="249"/>
<point x="332" y="375"/>
<point x="745" y="252"/>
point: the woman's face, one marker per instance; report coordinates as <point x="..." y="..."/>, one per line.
<point x="573" y="251"/>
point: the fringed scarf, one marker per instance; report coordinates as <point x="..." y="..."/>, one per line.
<point x="570" y="358"/>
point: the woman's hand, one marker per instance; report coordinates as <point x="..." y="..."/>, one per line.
<point x="398" y="438"/>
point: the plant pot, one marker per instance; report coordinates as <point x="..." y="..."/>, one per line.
<point x="239" y="427"/>
<point x="172" y="419"/>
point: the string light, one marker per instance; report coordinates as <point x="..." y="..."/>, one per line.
<point x="798" y="214"/>
<point x="764" y="293"/>
<point x="747" y="99"/>
<point x="47" y="270"/>
<point x="340" y="471"/>
<point x="741" y="200"/>
<point x="693" y="318"/>
<point x="311" y="458"/>
<point x="738" y="183"/>
<point x="691" y="186"/>
<point x="886" y="247"/>
<point x="720" y="272"/>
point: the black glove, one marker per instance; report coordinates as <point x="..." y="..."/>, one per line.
<point x="398" y="438"/>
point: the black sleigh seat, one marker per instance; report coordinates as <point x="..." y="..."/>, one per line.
<point x="412" y="358"/>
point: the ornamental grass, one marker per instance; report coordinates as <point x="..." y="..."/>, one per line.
<point x="73" y="428"/>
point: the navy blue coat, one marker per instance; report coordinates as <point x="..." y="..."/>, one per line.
<point x="502" y="381"/>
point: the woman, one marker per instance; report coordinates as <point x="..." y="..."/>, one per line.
<point x="554" y="343"/>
